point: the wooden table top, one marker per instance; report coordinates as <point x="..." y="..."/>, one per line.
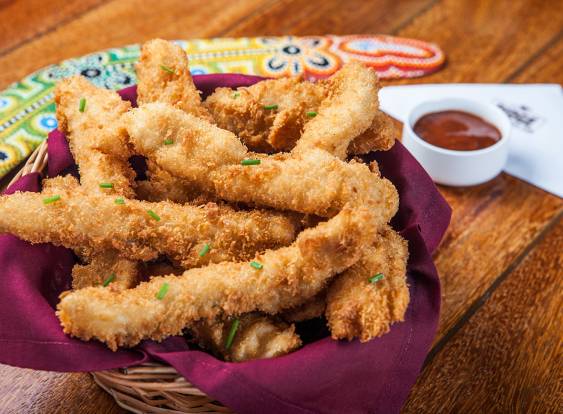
<point x="499" y="337"/>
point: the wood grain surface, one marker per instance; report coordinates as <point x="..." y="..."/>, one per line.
<point x="487" y="41"/>
<point x="118" y="23"/>
<point x="304" y="17"/>
<point x="511" y="347"/>
<point x="28" y="391"/>
<point x="500" y="262"/>
<point x="21" y="21"/>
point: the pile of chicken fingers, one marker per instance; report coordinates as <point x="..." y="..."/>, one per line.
<point x="254" y="214"/>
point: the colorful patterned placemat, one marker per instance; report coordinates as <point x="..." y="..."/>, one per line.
<point x="27" y="110"/>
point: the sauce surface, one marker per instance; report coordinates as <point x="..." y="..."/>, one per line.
<point x="456" y="130"/>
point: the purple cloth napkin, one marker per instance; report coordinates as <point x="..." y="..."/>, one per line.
<point x="325" y="376"/>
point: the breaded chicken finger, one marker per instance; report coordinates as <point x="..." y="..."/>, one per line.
<point x="378" y="137"/>
<point x="106" y="268"/>
<point x="312" y="181"/>
<point x="267" y="116"/>
<point x="314" y="308"/>
<point x="256" y="336"/>
<point x="74" y="218"/>
<point x="275" y="280"/>
<point x="339" y="114"/>
<point x="367" y="298"/>
<point x="103" y="266"/>
<point x="163" y="186"/>
<point x="347" y="112"/>
<point x="164" y="76"/>
<point x="363" y="301"/>
<point x="90" y="118"/>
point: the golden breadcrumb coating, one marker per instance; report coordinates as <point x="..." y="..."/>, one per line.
<point x="311" y="181"/>
<point x="357" y="308"/>
<point x="99" y="146"/>
<point x="311" y="309"/>
<point x="106" y="267"/>
<point x="257" y="336"/>
<point x="96" y="136"/>
<point x="155" y="84"/>
<point x="246" y="112"/>
<point x="287" y="277"/>
<point x="347" y="110"/>
<point x="85" y="220"/>
<point x="380" y="136"/>
<point x="163" y="186"/>
<point x="163" y="75"/>
<point x="339" y="114"/>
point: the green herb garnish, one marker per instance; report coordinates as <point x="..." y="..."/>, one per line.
<point x="82" y="105"/>
<point x="167" y="69"/>
<point x="250" y="162"/>
<point x="109" y="280"/>
<point x="204" y="250"/>
<point x="168" y="141"/>
<point x="376" y="278"/>
<point x="232" y="333"/>
<point x="163" y="290"/>
<point x="256" y="265"/>
<point x="236" y="95"/>
<point x="52" y="199"/>
<point x="153" y="215"/>
<point x="106" y="185"/>
<point x="274" y="106"/>
<point x="311" y="114"/>
<point x="119" y="200"/>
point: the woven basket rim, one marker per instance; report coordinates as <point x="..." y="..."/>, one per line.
<point x="152" y="387"/>
<point x="36" y="163"/>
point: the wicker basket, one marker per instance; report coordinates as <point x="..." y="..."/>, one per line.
<point x="147" y="388"/>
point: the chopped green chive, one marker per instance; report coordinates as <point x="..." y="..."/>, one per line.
<point x="52" y="199"/>
<point x="82" y="105"/>
<point x="256" y="265"/>
<point x="163" y="290"/>
<point x="109" y="280"/>
<point x="232" y="333"/>
<point x="311" y="114"/>
<point x="167" y="69"/>
<point x="250" y="162"/>
<point x="106" y="185"/>
<point x="236" y="95"/>
<point x="376" y="278"/>
<point x="168" y="141"/>
<point x="153" y="215"/>
<point x="204" y="250"/>
<point x="274" y="106"/>
<point x="119" y="200"/>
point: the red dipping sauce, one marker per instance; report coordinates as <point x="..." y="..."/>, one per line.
<point x="456" y="130"/>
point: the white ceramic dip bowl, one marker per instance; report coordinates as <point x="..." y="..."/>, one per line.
<point x="452" y="167"/>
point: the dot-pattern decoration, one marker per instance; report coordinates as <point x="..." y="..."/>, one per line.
<point x="27" y="110"/>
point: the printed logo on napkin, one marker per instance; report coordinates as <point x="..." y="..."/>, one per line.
<point x="522" y="116"/>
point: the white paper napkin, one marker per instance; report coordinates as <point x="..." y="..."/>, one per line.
<point x="536" y="113"/>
